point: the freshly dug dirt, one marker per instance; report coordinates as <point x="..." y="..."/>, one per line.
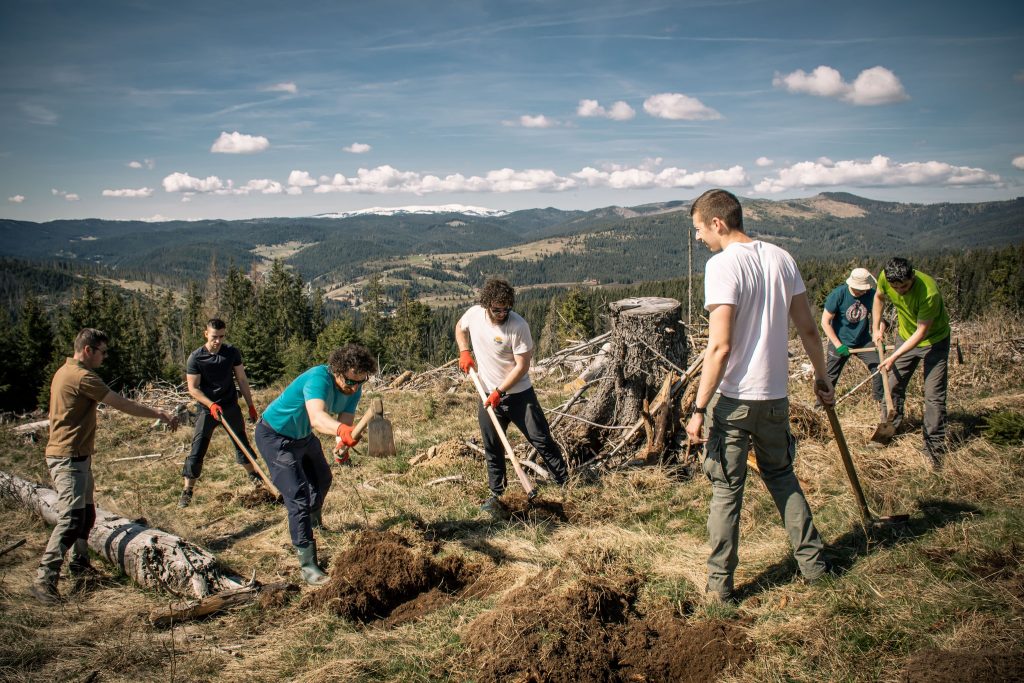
<point x="590" y="632"/>
<point x="943" y="666"/>
<point x="541" y="509"/>
<point x="382" y="571"/>
<point x="254" y="498"/>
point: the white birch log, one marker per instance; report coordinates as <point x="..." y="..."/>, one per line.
<point x="150" y="557"/>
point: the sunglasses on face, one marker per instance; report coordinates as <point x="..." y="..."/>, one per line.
<point x="354" y="382"/>
<point x="498" y="310"/>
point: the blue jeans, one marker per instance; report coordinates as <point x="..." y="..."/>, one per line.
<point x="301" y="473"/>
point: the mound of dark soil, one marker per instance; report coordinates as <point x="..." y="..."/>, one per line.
<point x="381" y="571"/>
<point x="942" y="666"/>
<point x="590" y="632"/>
<point x="254" y="498"/>
<point x="540" y="510"/>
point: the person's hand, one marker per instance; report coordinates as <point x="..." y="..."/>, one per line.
<point x="341" y="453"/>
<point x="466" y="362"/>
<point x="253" y="415"/>
<point x="695" y="428"/>
<point x="494" y="400"/>
<point x="824" y="391"/>
<point x="170" y="419"/>
<point x="842" y="350"/>
<point x="216" y="412"/>
<point x="886" y="365"/>
<point x="345" y="435"/>
<point x="879" y="335"/>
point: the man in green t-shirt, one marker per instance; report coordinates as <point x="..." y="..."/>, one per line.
<point x="923" y="326"/>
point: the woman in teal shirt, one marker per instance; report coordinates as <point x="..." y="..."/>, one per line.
<point x="294" y="457"/>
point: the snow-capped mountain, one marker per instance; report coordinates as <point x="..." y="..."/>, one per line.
<point x="399" y="210"/>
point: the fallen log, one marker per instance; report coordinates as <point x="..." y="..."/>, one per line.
<point x="219" y="602"/>
<point x="32" y="427"/>
<point x="150" y="557"/>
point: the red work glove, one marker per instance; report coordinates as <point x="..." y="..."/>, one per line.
<point x="253" y="415"/>
<point x="216" y="412"/>
<point x="341" y="454"/>
<point x="494" y="400"/>
<point x="345" y="434"/>
<point x="466" y="362"/>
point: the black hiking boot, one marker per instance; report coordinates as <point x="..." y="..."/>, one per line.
<point x="495" y="508"/>
<point x="186" y="498"/>
<point x="45" y="592"/>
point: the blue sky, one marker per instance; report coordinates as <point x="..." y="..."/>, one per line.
<point x="243" y="109"/>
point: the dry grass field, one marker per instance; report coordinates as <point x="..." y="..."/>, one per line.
<point x="603" y="581"/>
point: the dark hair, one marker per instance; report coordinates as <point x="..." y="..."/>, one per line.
<point x="497" y="292"/>
<point x="898" y="270"/>
<point x="216" y="324"/>
<point x="719" y="204"/>
<point x="351" y="357"/>
<point x="91" y="338"/>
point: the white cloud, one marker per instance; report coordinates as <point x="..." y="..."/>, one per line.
<point x="539" y="121"/>
<point x="237" y="143"/>
<point x="677" y="106"/>
<point x="293" y="190"/>
<point x="1018" y="162"/>
<point x="16" y="199"/>
<point x="145" y="163"/>
<point x="262" y="186"/>
<point x="873" y="86"/>
<point x="764" y="162"/>
<point x="142" y="192"/>
<point x="36" y="113"/>
<point x="183" y="182"/>
<point x="619" y="111"/>
<point x="68" y="196"/>
<point x="300" y="179"/>
<point x="386" y="179"/>
<point x="287" y="87"/>
<point x="879" y="172"/>
<point x="357" y="148"/>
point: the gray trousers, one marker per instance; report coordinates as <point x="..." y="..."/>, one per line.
<point x="835" y="364"/>
<point x="73" y="482"/>
<point x="734" y="426"/>
<point x="936" y="364"/>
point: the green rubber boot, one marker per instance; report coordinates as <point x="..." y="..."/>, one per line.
<point x="311" y="571"/>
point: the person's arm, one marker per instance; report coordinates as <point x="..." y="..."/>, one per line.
<point x="126" y="405"/>
<point x="195" y="392"/>
<point x="877" y="310"/>
<point x="462" y="339"/>
<point x="826" y="326"/>
<point x="320" y="419"/>
<point x="716" y="358"/>
<point x="522" y="367"/>
<point x="803" y="320"/>
<point x="919" y="334"/>
<point x="243" y="386"/>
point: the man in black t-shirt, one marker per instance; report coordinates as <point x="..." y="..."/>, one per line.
<point x="211" y="373"/>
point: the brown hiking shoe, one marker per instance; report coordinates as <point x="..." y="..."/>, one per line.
<point x="45" y="592"/>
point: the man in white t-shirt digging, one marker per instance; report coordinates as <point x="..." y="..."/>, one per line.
<point x="751" y="290"/>
<point x="501" y="340"/>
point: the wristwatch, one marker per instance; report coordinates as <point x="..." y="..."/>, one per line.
<point x="700" y="411"/>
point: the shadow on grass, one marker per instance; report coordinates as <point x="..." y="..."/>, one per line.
<point x="222" y="543"/>
<point x="471" y="533"/>
<point x="845" y="551"/>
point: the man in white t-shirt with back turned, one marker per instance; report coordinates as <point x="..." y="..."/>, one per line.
<point x="752" y="290"/>
<point x="501" y="340"/>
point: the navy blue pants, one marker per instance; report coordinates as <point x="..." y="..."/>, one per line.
<point x="301" y="473"/>
<point x="524" y="411"/>
<point x="205" y="424"/>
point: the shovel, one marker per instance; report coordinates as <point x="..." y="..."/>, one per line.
<point x="509" y="453"/>
<point x="884" y="431"/>
<point x="380" y="436"/>
<point x="252" y="461"/>
<point x="868" y="519"/>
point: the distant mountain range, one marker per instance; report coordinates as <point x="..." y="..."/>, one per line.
<point x="444" y="251"/>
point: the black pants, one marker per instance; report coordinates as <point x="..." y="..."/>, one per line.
<point x="835" y="363"/>
<point x="524" y="411"/>
<point x="936" y="362"/>
<point x="301" y="473"/>
<point x="205" y="424"/>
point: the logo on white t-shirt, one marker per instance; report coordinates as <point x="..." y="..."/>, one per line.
<point x="498" y="341"/>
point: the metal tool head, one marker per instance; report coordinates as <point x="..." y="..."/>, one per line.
<point x="884" y="433"/>
<point x="380" y="435"/>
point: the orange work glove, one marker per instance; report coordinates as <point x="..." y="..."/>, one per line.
<point x="216" y="412"/>
<point x="341" y="455"/>
<point x="253" y="415"/>
<point x="494" y="400"/>
<point x="345" y="434"/>
<point x="466" y="362"/>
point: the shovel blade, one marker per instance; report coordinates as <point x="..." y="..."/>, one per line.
<point x="380" y="438"/>
<point x="883" y="433"/>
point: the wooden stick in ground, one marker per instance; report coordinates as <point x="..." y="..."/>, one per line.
<point x="509" y="453"/>
<point x="13" y="546"/>
<point x="252" y="461"/>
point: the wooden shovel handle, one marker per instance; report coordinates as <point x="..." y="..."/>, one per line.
<point x="509" y="453"/>
<point x="889" y="410"/>
<point x="358" y="430"/>
<point x="252" y="459"/>
<point x="851" y="473"/>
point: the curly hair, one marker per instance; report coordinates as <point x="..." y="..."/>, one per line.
<point x="352" y="358"/>
<point x="898" y="270"/>
<point x="497" y="292"/>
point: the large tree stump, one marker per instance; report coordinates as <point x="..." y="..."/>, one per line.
<point x="150" y="557"/>
<point x="648" y="342"/>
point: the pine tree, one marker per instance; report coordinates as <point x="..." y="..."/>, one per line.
<point x="338" y="332"/>
<point x="35" y="350"/>
<point x="375" y="324"/>
<point x="408" y="331"/>
<point x="575" y="320"/>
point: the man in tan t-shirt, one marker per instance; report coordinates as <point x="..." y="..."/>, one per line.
<point x="75" y="392"/>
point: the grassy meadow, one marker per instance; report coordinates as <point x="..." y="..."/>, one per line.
<point x="942" y="597"/>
